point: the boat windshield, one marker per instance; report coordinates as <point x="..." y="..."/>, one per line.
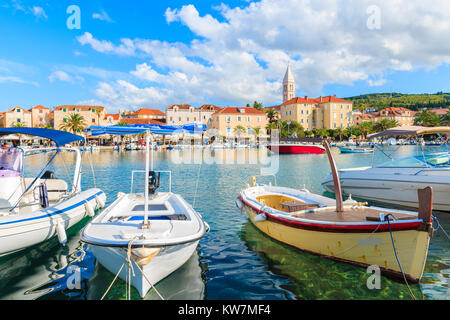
<point x="10" y="162"/>
<point x="420" y="161"/>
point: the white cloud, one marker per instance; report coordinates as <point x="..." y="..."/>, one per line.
<point x="63" y="76"/>
<point x="241" y="54"/>
<point x="38" y="12"/>
<point x="103" y="16"/>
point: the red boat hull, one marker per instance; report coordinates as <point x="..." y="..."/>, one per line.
<point x="298" y="149"/>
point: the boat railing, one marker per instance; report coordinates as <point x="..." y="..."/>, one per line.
<point x="143" y="171"/>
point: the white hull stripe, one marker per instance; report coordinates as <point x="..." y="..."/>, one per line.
<point x="56" y="212"/>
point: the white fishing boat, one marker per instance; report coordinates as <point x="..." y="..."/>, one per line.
<point x="33" y="210"/>
<point x="143" y="238"/>
<point x="397" y="181"/>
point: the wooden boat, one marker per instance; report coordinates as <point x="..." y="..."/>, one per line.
<point x="395" y="241"/>
<point x="355" y="150"/>
<point x="143" y="238"/>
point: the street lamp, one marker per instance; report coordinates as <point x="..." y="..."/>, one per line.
<point x="289" y="131"/>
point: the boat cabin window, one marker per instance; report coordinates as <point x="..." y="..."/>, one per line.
<point x="10" y="162"/>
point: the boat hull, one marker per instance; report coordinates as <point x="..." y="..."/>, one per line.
<point x="397" y="190"/>
<point x="297" y="149"/>
<point x="355" y="150"/>
<point x="358" y="248"/>
<point x="168" y="260"/>
<point x="19" y="232"/>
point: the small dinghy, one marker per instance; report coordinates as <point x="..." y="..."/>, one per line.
<point x="33" y="210"/>
<point x="355" y="150"/>
<point x="143" y="238"/>
<point x="395" y="241"/>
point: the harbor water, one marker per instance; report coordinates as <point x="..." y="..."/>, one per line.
<point x="234" y="260"/>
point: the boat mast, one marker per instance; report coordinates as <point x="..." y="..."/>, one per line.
<point x="145" y="225"/>
<point x="336" y="181"/>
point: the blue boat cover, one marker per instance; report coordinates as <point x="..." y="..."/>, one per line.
<point x="143" y="128"/>
<point x="59" y="137"/>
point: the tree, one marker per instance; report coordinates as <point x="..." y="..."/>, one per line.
<point x="323" y="133"/>
<point x="365" y="128"/>
<point x="426" y="118"/>
<point x="19" y="125"/>
<point x="98" y="112"/>
<point x="272" y="115"/>
<point x="239" y="129"/>
<point x="74" y="123"/>
<point x="445" y="119"/>
<point x="258" y="105"/>
<point x="288" y="128"/>
<point x="257" y="132"/>
<point x="271" y="126"/>
<point x="385" y="124"/>
<point x="339" y="133"/>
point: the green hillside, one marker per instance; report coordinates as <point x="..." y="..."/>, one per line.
<point x="410" y="101"/>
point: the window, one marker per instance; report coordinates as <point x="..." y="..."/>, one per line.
<point x="187" y="119"/>
<point x="228" y="129"/>
<point x="301" y="121"/>
<point x="342" y="116"/>
<point x="195" y="119"/>
<point x="249" y="130"/>
<point x="228" y="119"/>
<point x="248" y="119"/>
<point x="334" y="125"/>
<point x="19" y="120"/>
<point x="93" y="120"/>
<point x="17" y="110"/>
<point x="259" y="119"/>
<point x="78" y="110"/>
<point x="171" y="119"/>
<point x="64" y="120"/>
<point x="179" y="118"/>
<point x="64" y="110"/>
<point x="93" y="110"/>
<point x="334" y="115"/>
<point x="239" y="119"/>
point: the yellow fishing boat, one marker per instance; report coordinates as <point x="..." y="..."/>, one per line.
<point x="394" y="240"/>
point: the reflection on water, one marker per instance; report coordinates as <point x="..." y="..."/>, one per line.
<point x="234" y="260"/>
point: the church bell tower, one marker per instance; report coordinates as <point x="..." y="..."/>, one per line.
<point x="288" y="85"/>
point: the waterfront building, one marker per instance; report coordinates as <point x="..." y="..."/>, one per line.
<point x="403" y="116"/>
<point x="40" y="116"/>
<point x="180" y="114"/>
<point x="229" y="120"/>
<point x="146" y="113"/>
<point x="111" y="119"/>
<point x="16" y="115"/>
<point x="93" y="115"/>
<point x="318" y="113"/>
<point x="358" y="117"/>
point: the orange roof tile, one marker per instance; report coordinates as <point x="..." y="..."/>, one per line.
<point x="141" y="121"/>
<point x="180" y="106"/>
<point x="114" y="116"/>
<point x="239" y="110"/>
<point x="150" y="112"/>
<point x="39" y="107"/>
<point x="83" y="108"/>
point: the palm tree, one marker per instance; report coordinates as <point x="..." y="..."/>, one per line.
<point x="239" y="129"/>
<point x="385" y="124"/>
<point x="365" y="128"/>
<point x="98" y="112"/>
<point x="19" y="125"/>
<point x="427" y="119"/>
<point x="271" y="126"/>
<point x="74" y="123"/>
<point x="122" y="123"/>
<point x="258" y="105"/>
<point x="445" y="119"/>
<point x="272" y="115"/>
<point x="339" y="132"/>
<point x="288" y="128"/>
<point x="257" y="131"/>
<point x="323" y="133"/>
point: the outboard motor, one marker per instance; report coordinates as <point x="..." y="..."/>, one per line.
<point x="48" y="175"/>
<point x="153" y="182"/>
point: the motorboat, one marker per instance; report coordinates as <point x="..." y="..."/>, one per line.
<point x="151" y="233"/>
<point x="346" y="231"/>
<point x="131" y="146"/>
<point x="356" y="150"/>
<point x="397" y="180"/>
<point x="297" y="146"/>
<point x="33" y="210"/>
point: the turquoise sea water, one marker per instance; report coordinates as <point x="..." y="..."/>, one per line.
<point x="234" y="260"/>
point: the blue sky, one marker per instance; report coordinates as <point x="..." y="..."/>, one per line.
<point x="131" y="54"/>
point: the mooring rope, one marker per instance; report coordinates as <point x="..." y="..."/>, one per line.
<point x="128" y="260"/>
<point x="440" y="226"/>
<point x="396" y="256"/>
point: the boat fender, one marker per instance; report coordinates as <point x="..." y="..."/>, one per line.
<point x="239" y="204"/>
<point x="100" y="202"/>
<point x="207" y="227"/>
<point x="260" y="217"/>
<point x="90" y="211"/>
<point x="62" y="236"/>
<point x="253" y="181"/>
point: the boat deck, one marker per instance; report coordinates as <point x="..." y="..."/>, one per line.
<point x="350" y="214"/>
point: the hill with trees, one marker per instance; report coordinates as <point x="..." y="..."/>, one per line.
<point x="411" y="101"/>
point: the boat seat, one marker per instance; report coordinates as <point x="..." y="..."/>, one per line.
<point x="56" y="188"/>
